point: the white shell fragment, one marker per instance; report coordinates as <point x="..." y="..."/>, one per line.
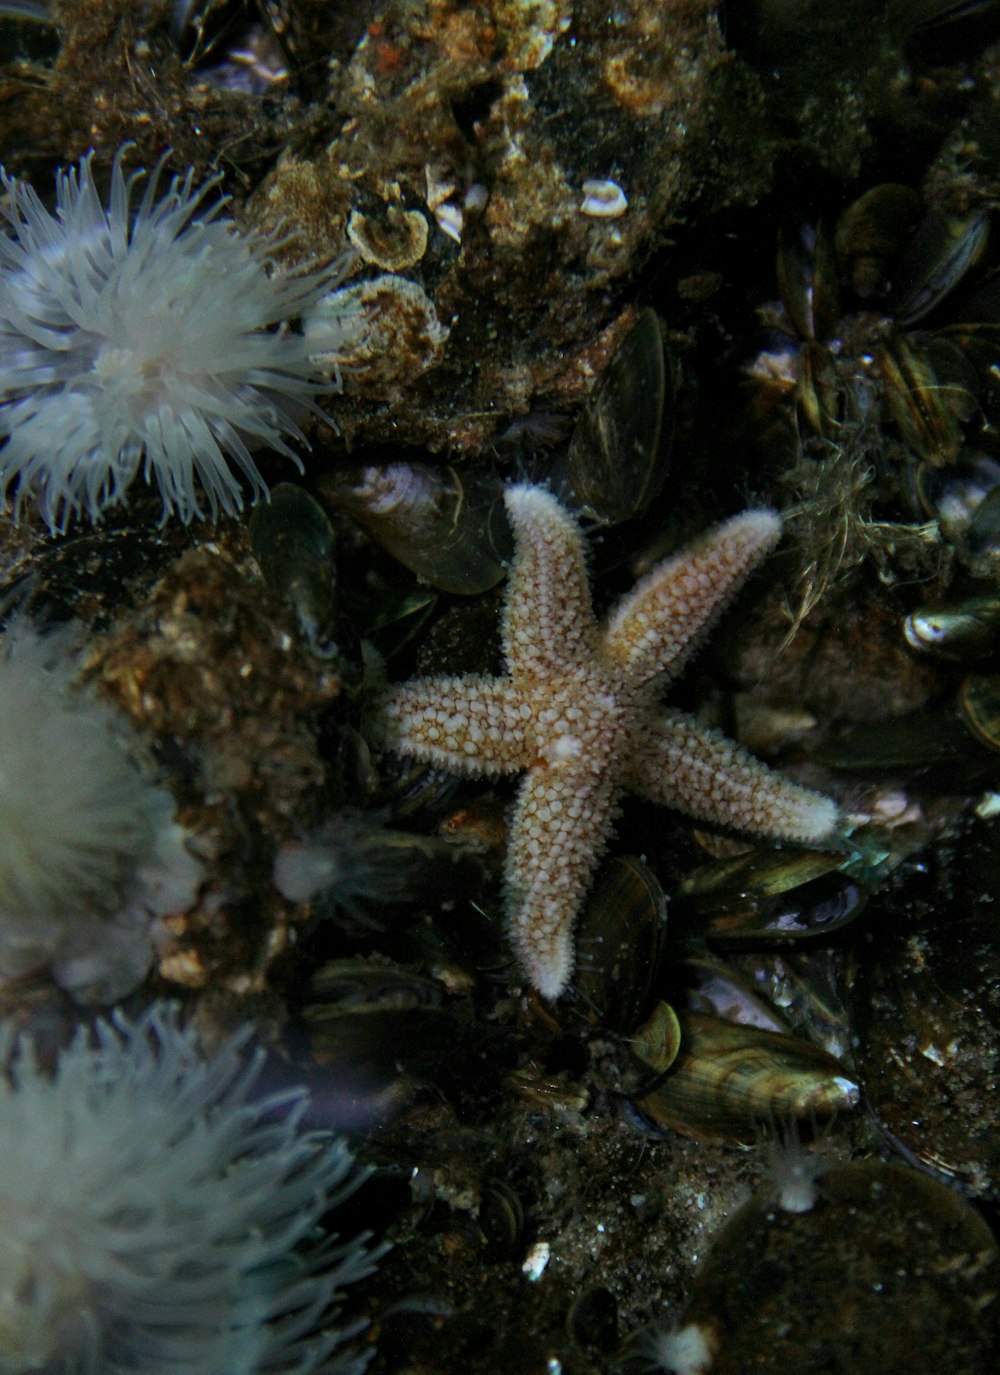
<point x="605" y="200"/>
<point x="476" y="197"/>
<point x="441" y="185"/>
<point x="536" y="1260"/>
<point x="450" y="220"/>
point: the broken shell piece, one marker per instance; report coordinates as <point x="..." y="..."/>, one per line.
<point x="440" y="184"/>
<point x="604" y="200"/>
<point x="476" y="197"/>
<point x="450" y="220"/>
<point x="397" y="240"/>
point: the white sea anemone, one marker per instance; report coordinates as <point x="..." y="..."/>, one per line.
<point x="90" y="855"/>
<point x="149" y="337"/>
<point x="795" y="1169"/>
<point x="154" y="1218"/>
<point x="349" y="860"/>
<point x="680" y="1350"/>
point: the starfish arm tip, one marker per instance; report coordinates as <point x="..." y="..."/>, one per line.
<point x="764" y="523"/>
<point x="549" y="976"/>
<point x="817" y="819"/>
<point x="527" y="501"/>
<point x="551" y="984"/>
<point x="519" y="492"/>
<point x="543" y="942"/>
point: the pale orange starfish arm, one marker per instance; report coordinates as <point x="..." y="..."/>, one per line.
<point x="656" y="628"/>
<point x="559" y="831"/>
<point x="548" y="620"/>
<point x="686" y="765"/>
<point x="471" y="725"/>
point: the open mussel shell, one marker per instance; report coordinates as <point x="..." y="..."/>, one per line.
<point x="808" y="987"/>
<point x="547" y="1093"/>
<point x="717" y="988"/>
<point x="293" y="543"/>
<point x="887" y="1271"/>
<point x="978" y="345"/>
<point x="964" y="628"/>
<point x="963" y="498"/>
<point x="592" y="1321"/>
<point x="801" y="991"/>
<point x="448" y="528"/>
<point x="957" y="376"/>
<point x="955" y="741"/>
<point x="352" y="863"/>
<point x="771" y="896"/>
<point x="807" y="280"/>
<point x="979" y="699"/>
<point x="982" y="533"/>
<point x="614" y="466"/>
<point x="934" y="23"/>
<point x="501" y="1219"/>
<point x="726" y="1079"/>
<point x="619" y="944"/>
<point x="926" y="412"/>
<point x="819" y="394"/>
<point x="463" y="638"/>
<point x="378" y="1028"/>
<point x="347" y="987"/>
<point x="411" y="788"/>
<point x="871" y="234"/>
<point x="941" y="251"/>
<point x="401" y="620"/>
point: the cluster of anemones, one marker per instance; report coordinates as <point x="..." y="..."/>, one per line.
<point x="154" y="1214"/>
<point x="158" y="1212"/>
<point x="91" y="857"/>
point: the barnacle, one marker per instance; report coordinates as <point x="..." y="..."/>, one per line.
<point x="150" y="339"/>
<point x="156" y="1215"/>
<point x="386" y="329"/>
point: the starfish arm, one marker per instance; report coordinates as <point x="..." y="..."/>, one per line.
<point x="559" y="831"/>
<point x="548" y="621"/>
<point x="686" y="765"/>
<point x="470" y="725"/>
<point x="655" y="629"/>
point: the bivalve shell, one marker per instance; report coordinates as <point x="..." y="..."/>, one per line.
<point x="727" y="1079"/>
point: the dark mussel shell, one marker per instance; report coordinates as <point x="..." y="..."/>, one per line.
<point x="619" y="943"/>
<point x="614" y="466"/>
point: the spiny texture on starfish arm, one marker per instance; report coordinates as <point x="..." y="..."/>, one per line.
<point x="579" y="714"/>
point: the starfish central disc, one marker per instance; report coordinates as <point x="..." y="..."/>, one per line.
<point x="579" y="714"/>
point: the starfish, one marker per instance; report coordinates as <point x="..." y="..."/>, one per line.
<point x="579" y="714"/>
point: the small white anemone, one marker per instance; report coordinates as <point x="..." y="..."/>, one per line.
<point x="152" y="338"/>
<point x="349" y="860"/>
<point x="680" y="1350"/>
<point x="795" y="1168"/>
<point x="90" y="855"/>
<point x="159" y="1215"/>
